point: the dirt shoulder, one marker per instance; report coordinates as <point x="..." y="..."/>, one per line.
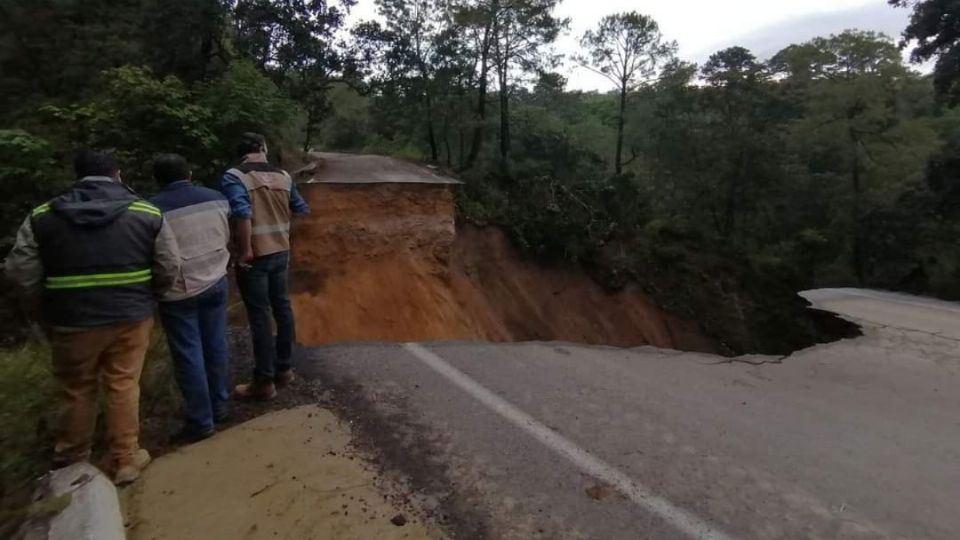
<point x="287" y="474"/>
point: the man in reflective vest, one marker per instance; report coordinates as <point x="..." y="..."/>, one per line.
<point x="263" y="199"/>
<point x="95" y="257"/>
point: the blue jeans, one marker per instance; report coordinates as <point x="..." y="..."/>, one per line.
<point x="263" y="287"/>
<point x="197" y="334"/>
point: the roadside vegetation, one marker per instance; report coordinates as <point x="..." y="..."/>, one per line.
<point x="26" y="388"/>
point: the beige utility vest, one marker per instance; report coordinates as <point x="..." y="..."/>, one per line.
<point x="269" y="188"/>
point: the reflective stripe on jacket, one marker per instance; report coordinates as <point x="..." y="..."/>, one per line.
<point x="103" y="252"/>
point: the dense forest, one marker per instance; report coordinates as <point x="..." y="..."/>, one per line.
<point x="833" y="163"/>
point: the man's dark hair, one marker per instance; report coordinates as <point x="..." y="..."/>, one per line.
<point x="250" y="143"/>
<point x="93" y="163"/>
<point x="169" y="168"/>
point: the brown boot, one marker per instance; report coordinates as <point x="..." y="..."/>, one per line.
<point x="130" y="471"/>
<point x="255" y="391"/>
<point x="285" y="378"/>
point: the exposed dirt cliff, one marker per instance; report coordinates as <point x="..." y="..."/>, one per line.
<point x="385" y="262"/>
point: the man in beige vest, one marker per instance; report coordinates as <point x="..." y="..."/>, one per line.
<point x="263" y="199"/>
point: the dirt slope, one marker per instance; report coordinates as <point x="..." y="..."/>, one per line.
<point x="384" y="262"/>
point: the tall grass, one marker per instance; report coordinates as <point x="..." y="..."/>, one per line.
<point x="27" y="411"/>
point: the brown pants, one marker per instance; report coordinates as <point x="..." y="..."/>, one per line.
<point x="81" y="360"/>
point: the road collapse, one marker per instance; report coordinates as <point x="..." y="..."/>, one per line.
<point x="387" y="262"/>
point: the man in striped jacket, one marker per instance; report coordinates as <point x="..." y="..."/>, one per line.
<point x="194" y="310"/>
<point x="96" y="256"/>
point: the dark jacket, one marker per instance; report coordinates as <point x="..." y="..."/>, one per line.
<point x="98" y="253"/>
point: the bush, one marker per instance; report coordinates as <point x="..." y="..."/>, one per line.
<point x="26" y="394"/>
<point x="137" y="115"/>
<point x="29" y="173"/>
<point x="244" y="99"/>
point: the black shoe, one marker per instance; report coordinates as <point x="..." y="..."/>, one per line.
<point x="189" y="436"/>
<point x="222" y="418"/>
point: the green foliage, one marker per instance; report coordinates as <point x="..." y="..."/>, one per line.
<point x="26" y="393"/>
<point x="244" y="99"/>
<point x="348" y="127"/>
<point x="144" y="76"/>
<point x="137" y="115"/>
<point x="629" y="50"/>
<point x="769" y="178"/>
<point x="29" y="173"/>
<point x="935" y="27"/>
<point x="293" y="41"/>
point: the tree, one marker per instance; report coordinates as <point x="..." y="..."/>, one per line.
<point x="857" y="127"/>
<point x="244" y="99"/>
<point x="53" y="49"/>
<point x="520" y="30"/>
<point x="741" y="121"/>
<point x="186" y="38"/>
<point x="294" y="41"/>
<point x="404" y="53"/>
<point x="629" y="50"/>
<point x="136" y="116"/>
<point x="472" y="24"/>
<point x="732" y="68"/>
<point x="29" y="173"/>
<point x="935" y="26"/>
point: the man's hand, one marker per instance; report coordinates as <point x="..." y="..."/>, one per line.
<point x="244" y="239"/>
<point x="245" y="259"/>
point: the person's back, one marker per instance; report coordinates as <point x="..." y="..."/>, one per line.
<point x="269" y="189"/>
<point x="97" y="244"/>
<point x="199" y="218"/>
<point x="96" y="255"/>
<point x="194" y="311"/>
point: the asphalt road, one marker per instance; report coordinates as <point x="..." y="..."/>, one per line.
<point x="336" y="168"/>
<point x="856" y="439"/>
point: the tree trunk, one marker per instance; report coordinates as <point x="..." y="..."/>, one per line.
<point x="856" y="251"/>
<point x="206" y="53"/>
<point x="461" y="160"/>
<point x="504" y="117"/>
<point x="477" y="141"/>
<point x="618" y="163"/>
<point x="431" y="135"/>
<point x="446" y="144"/>
<point x="730" y="217"/>
<point x="308" y="131"/>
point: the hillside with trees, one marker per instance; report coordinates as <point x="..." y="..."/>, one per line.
<point x="721" y="188"/>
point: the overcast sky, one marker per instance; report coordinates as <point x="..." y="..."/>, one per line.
<point x="702" y="27"/>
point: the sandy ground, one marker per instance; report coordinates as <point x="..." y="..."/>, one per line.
<point x="286" y="475"/>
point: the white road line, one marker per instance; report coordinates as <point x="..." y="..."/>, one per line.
<point x="584" y="460"/>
